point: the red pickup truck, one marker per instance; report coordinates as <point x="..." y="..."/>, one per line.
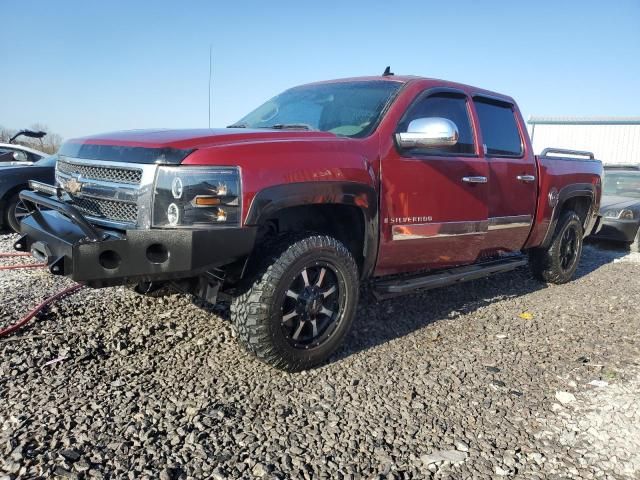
<point x="402" y="182"/>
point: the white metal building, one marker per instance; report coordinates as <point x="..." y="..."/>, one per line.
<point x="611" y="139"/>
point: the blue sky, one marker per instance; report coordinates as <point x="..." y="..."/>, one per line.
<point x="84" y="67"/>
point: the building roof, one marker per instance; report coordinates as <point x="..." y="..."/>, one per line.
<point x="545" y="120"/>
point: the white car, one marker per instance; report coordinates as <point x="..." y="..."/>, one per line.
<point x="12" y="153"/>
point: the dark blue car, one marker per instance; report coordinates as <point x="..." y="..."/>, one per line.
<point x="620" y="205"/>
<point x="15" y="177"/>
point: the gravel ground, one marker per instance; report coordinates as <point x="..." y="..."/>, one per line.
<point x="498" y="377"/>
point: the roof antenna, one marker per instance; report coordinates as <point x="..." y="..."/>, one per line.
<point x="210" y="70"/>
<point x="387" y="72"/>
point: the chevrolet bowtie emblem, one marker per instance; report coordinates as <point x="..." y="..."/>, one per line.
<point x="72" y="186"/>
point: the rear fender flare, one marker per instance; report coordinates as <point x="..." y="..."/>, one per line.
<point x="585" y="190"/>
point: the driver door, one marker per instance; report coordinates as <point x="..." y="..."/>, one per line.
<point x="434" y="199"/>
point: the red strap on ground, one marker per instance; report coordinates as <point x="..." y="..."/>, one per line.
<point x="16" y="267"/>
<point x="24" y="320"/>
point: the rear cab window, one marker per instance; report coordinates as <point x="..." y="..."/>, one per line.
<point x="499" y="128"/>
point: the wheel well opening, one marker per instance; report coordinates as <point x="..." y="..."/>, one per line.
<point x="10" y="193"/>
<point x="6" y="198"/>
<point x="343" y="222"/>
<point x="580" y="205"/>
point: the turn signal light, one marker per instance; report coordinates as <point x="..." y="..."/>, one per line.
<point x="206" y="201"/>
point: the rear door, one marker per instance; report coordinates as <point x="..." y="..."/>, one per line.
<point x="512" y="175"/>
<point x="433" y="201"/>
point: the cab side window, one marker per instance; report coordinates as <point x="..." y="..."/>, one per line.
<point x="445" y="105"/>
<point x="13" y="155"/>
<point x="499" y="128"/>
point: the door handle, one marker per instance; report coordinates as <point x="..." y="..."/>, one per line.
<point x="474" y="179"/>
<point x="526" y="178"/>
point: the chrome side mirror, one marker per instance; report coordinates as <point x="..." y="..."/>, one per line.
<point x="431" y="132"/>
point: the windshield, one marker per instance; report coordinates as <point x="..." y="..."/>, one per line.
<point x="624" y="184"/>
<point x="350" y="109"/>
<point x="49" y="161"/>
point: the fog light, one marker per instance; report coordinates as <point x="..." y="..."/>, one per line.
<point x="173" y="214"/>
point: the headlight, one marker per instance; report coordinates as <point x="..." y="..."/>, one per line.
<point x="196" y="197"/>
<point x="621" y="214"/>
<point x="625" y="214"/>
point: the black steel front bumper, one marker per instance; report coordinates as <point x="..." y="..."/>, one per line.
<point x="618" y="230"/>
<point x="71" y="246"/>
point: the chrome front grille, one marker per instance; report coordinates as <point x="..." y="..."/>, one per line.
<point x="111" y="194"/>
<point x="107" y="209"/>
<point x="132" y="176"/>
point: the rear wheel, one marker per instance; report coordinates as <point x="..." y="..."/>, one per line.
<point x="16" y="211"/>
<point x="300" y="306"/>
<point x="559" y="262"/>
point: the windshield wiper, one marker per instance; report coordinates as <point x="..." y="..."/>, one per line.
<point x="278" y="126"/>
<point x="292" y="126"/>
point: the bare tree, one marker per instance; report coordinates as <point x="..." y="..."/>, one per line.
<point x="50" y="143"/>
<point x="5" y="134"/>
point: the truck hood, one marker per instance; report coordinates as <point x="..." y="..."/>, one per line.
<point x="617" y="201"/>
<point x="172" y="146"/>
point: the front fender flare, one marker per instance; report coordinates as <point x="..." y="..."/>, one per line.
<point x="270" y="200"/>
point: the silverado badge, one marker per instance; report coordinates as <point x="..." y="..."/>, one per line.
<point x="72" y="186"/>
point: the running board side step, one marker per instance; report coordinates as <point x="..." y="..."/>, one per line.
<point x="387" y="288"/>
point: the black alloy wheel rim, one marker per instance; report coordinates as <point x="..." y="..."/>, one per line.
<point x="20" y="211"/>
<point x="569" y="244"/>
<point x="312" y="306"/>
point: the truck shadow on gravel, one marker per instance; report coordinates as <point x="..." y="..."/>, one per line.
<point x="379" y="322"/>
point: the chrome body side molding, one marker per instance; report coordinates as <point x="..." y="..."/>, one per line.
<point x="514" y="221"/>
<point x="453" y="229"/>
<point x="434" y="230"/>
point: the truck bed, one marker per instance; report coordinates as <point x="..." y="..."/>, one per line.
<point x="564" y="174"/>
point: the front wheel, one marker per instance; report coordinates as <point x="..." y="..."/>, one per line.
<point x="300" y="306"/>
<point x="635" y="245"/>
<point x="559" y="261"/>
<point x="16" y="211"/>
